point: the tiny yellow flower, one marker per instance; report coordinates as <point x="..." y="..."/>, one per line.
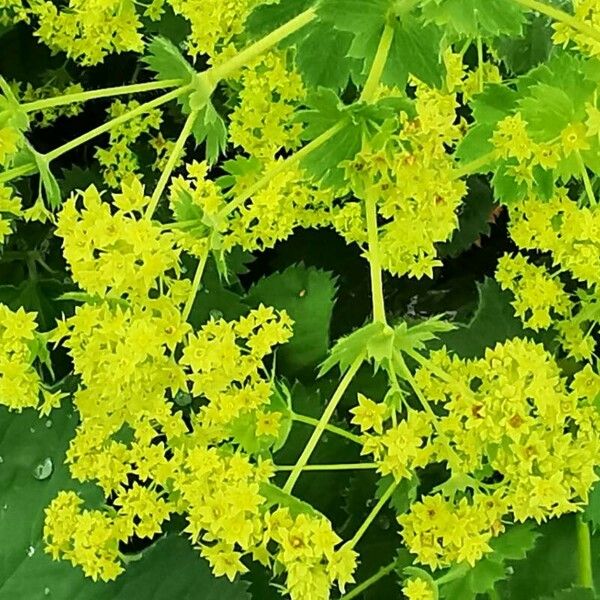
<point x="369" y="414"/>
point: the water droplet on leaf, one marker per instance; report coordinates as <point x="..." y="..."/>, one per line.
<point x="48" y="423"/>
<point x="30" y="551"/>
<point x="43" y="470"/>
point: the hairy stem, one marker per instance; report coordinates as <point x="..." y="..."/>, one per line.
<point x="378" y="66"/>
<point x="367" y="583"/>
<point x="195" y="285"/>
<point x="102" y="93"/>
<point x="247" y="55"/>
<point x="331" y="428"/>
<point x="320" y="428"/>
<point x="374" y="258"/>
<point x="561" y="16"/>
<point x="172" y="162"/>
<point x="336" y="467"/>
<point x="585" y="575"/>
<point x="373" y="514"/>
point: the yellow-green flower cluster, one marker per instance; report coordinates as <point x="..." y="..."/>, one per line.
<point x="539" y="298"/>
<point x="215" y="24"/>
<point x="261" y="123"/>
<point x="12" y="11"/>
<point x="513" y="143"/>
<point x="441" y="532"/>
<point x="86" y="538"/>
<point x="586" y="12"/>
<point x="19" y="381"/>
<point x="402" y="448"/>
<point x="413" y="179"/>
<point x="119" y="161"/>
<point x="512" y="414"/>
<point x="10" y="207"/>
<point x="286" y="202"/>
<point x="307" y="552"/>
<point x="519" y="440"/>
<point x="417" y="588"/>
<point x="561" y="227"/>
<point x="223" y="361"/>
<point x="88" y="30"/>
<point x="114" y="254"/>
<point x="10" y="143"/>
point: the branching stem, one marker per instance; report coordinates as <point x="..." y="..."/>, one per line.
<point x="323" y="421"/>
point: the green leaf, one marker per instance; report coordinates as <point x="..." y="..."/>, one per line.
<point x="277" y="497"/>
<point x="308" y="296"/>
<point x="574" y="593"/>
<point x="216" y="298"/>
<point x="473" y="18"/>
<point x="522" y="54"/>
<point x="357" y="123"/>
<point x="415" y="47"/>
<point x="209" y="127"/>
<point x="373" y="341"/>
<point x="476" y="214"/>
<point x="494" y="322"/>
<point x="36" y="295"/>
<point x="552" y="566"/>
<point x="321" y="53"/>
<point x="167" y="62"/>
<point x="169" y="569"/>
<point x="592" y="510"/>
<point x="52" y="192"/>
<point x="547" y="111"/>
<point x="243" y="428"/>
<point x="404" y="494"/>
<point x="516" y="541"/>
<point x="512" y="545"/>
<point x="26" y="442"/>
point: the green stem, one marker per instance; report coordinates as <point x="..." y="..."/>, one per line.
<point x="331" y="428"/>
<point x="374" y="257"/>
<point x="106" y="127"/>
<point x="336" y="467"/>
<point x="589" y="189"/>
<point x="15" y="172"/>
<point x="247" y="55"/>
<point x="480" y="61"/>
<point x="280" y="167"/>
<point x="195" y="285"/>
<point x="373" y="514"/>
<point x="585" y="576"/>
<point x="561" y="16"/>
<point x="171" y="164"/>
<point x="102" y="93"/>
<point x="474" y="166"/>
<point x="378" y="66"/>
<point x="367" y="583"/>
<point x="323" y="421"/>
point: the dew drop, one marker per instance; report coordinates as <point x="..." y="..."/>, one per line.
<point x="30" y="551"/>
<point x="32" y="429"/>
<point x="215" y="314"/>
<point x="46" y="591"/>
<point x="48" y="423"/>
<point x="44" y="469"/>
<point x="1" y="460"/>
<point x="5" y="507"/>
